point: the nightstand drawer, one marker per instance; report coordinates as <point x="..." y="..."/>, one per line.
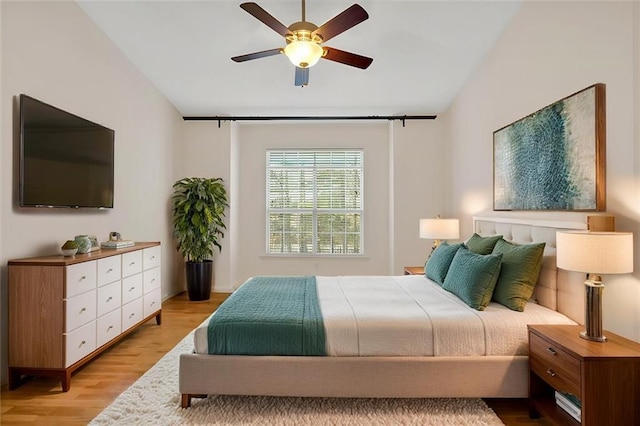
<point x="555" y="377"/>
<point x="554" y="365"/>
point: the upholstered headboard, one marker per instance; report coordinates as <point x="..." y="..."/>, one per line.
<point x="556" y="289"/>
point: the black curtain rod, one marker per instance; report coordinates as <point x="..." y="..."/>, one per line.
<point x="220" y="119"/>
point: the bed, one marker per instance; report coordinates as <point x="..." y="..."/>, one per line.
<point x="440" y="368"/>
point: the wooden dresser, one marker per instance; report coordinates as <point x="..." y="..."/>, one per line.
<point x="604" y="376"/>
<point x="64" y="311"/>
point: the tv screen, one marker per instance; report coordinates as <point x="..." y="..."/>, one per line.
<point x="65" y="160"/>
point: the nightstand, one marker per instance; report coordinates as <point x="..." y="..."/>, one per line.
<point x="604" y="376"/>
<point x="414" y="270"/>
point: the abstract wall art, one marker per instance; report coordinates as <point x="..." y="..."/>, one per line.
<point x="554" y="158"/>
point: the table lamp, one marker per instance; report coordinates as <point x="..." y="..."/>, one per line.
<point x="595" y="253"/>
<point x="439" y="230"/>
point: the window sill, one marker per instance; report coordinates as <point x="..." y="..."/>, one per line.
<point x="316" y="256"/>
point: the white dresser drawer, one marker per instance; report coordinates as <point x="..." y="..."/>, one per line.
<point x="109" y="297"/>
<point x="131" y="314"/>
<point x="80" y="310"/>
<point x="131" y="288"/>
<point x="131" y="263"/>
<point x="109" y="327"/>
<point x="109" y="270"/>
<point x="152" y="302"/>
<point x="151" y="280"/>
<point x="151" y="257"/>
<point x="80" y="343"/>
<point x="81" y="277"/>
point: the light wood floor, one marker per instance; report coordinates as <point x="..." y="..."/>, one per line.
<point x="41" y="400"/>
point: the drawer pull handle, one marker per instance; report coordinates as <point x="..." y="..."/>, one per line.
<point x="109" y="328"/>
<point x="152" y="303"/>
<point x="110" y="299"/>
<point x="109" y="270"/>
<point x="132" y="315"/>
<point x="84" y="277"/>
<point x="82" y="343"/>
<point x="131" y="289"/>
<point x="132" y="263"/>
<point x="153" y="257"/>
<point x="82" y="310"/>
<point x="153" y="280"/>
<point x="552" y="351"/>
<point x="551" y="372"/>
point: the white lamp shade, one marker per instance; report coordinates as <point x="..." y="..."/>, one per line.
<point x="595" y="252"/>
<point x="303" y="53"/>
<point x="440" y="229"/>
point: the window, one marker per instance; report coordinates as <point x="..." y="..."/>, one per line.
<point x="314" y="202"/>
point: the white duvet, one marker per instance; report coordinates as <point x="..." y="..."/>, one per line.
<point x="410" y="315"/>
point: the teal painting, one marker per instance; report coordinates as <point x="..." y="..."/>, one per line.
<point x="553" y="159"/>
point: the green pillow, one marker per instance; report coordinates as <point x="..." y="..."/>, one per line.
<point x="520" y="269"/>
<point x="472" y="277"/>
<point x="438" y="264"/>
<point x="482" y="245"/>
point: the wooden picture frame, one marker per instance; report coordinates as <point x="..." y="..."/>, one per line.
<point x="554" y="159"/>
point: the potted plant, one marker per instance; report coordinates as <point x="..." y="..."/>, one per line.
<point x="198" y="222"/>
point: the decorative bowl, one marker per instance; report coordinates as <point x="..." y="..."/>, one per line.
<point x="84" y="243"/>
<point x="69" y="252"/>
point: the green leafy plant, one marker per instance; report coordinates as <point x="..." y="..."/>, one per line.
<point x="69" y="245"/>
<point x="198" y="216"/>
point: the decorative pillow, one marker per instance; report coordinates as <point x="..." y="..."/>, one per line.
<point x="472" y="277"/>
<point x="440" y="260"/>
<point x="482" y="245"/>
<point x="520" y="269"/>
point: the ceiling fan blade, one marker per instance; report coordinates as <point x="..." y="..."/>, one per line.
<point x="266" y="18"/>
<point x="302" y="76"/>
<point x="347" y="58"/>
<point x="257" y="55"/>
<point x="342" y="22"/>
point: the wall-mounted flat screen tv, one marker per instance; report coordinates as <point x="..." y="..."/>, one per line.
<point x="65" y="160"/>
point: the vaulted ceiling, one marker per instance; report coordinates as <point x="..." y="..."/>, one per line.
<point x="423" y="53"/>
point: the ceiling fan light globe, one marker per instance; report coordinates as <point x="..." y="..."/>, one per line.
<point x="303" y="54"/>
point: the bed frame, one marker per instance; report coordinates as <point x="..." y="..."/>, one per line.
<point x="396" y="377"/>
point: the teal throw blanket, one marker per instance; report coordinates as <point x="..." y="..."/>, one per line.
<point x="269" y="316"/>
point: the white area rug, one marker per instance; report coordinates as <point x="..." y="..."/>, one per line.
<point x="154" y="400"/>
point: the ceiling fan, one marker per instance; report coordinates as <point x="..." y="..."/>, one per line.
<point x="304" y="40"/>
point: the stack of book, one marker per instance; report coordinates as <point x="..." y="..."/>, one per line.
<point x="569" y="403"/>
<point x="116" y="244"/>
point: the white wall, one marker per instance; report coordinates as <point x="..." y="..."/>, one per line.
<point x="53" y="52"/>
<point x="420" y="180"/>
<point x="549" y="51"/>
<point x="636" y="149"/>
<point x="405" y="180"/>
<point x="206" y="152"/>
<point x="255" y="139"/>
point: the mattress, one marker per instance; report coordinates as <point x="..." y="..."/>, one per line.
<point x="411" y="315"/>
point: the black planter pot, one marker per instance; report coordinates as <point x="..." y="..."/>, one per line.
<point x="199" y="277"/>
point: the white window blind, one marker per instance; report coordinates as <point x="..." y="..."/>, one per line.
<point x="314" y="202"/>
